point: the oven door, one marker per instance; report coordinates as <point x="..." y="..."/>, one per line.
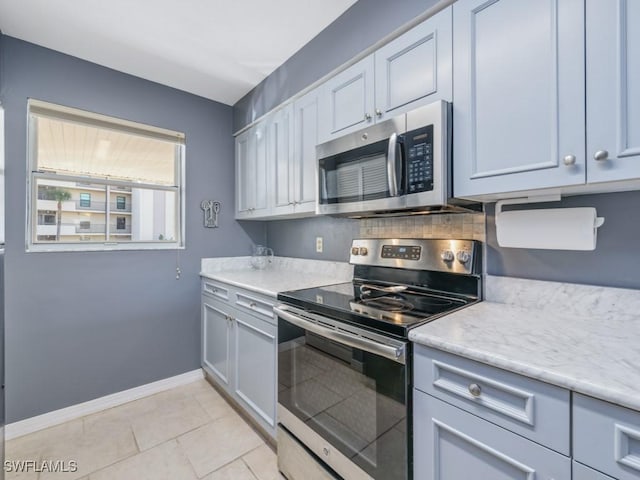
<point x="343" y="392"/>
<point x="362" y="171"/>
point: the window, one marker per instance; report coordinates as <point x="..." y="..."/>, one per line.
<point x="99" y="182"/>
<point x="85" y="200"/>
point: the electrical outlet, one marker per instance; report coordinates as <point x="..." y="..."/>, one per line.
<point x="319" y="244"/>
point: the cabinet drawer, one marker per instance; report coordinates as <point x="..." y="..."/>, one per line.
<point x="530" y="408"/>
<point x="217" y="290"/>
<point x="581" y="472"/>
<point x="256" y="305"/>
<point x="452" y="444"/>
<point x="606" y="437"/>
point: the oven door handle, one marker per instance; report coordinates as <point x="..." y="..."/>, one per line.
<point x="392" y="159"/>
<point x="395" y="353"/>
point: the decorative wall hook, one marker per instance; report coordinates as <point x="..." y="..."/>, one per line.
<point x="211" y="210"/>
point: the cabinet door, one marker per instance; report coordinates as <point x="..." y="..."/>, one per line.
<point x="347" y="100"/>
<point x="216" y="340"/>
<point x="451" y="444"/>
<point x="280" y="157"/>
<point x="613" y="90"/>
<point x="304" y="159"/>
<point x="255" y="367"/>
<point x="518" y="109"/>
<point x="245" y="153"/>
<point x="259" y="175"/>
<point x="581" y="472"/>
<point x="415" y="68"/>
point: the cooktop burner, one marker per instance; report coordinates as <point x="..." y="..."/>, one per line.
<point x="398" y="284"/>
<point x="392" y="310"/>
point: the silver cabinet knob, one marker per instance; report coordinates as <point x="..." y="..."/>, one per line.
<point x="447" y="256"/>
<point x="475" y="390"/>
<point x="253" y="304"/>
<point x="367" y="116"/>
<point x="463" y="256"/>
<point x="364" y="136"/>
<point x="378" y="112"/>
<point x="326" y="451"/>
<point x="569" y="160"/>
<point x="601" y="155"/>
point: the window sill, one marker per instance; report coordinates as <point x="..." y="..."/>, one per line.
<point x="40" y="248"/>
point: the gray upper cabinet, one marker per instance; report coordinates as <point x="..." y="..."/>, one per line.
<point x="411" y="70"/>
<point x="415" y="68"/>
<point x="518" y="94"/>
<point x="280" y="157"/>
<point x="305" y="114"/>
<point x="347" y="100"/>
<point x="251" y="173"/>
<point x="613" y="90"/>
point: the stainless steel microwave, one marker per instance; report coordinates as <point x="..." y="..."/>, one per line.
<point x="395" y="165"/>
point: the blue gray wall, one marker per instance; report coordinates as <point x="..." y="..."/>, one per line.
<point x="615" y="261"/>
<point x="297" y="238"/>
<point x="82" y="325"/>
<point x="361" y="26"/>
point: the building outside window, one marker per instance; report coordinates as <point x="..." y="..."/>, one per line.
<point x="85" y="200"/>
<point x="86" y="167"/>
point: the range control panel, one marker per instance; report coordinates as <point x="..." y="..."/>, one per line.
<point x="404" y="252"/>
<point x="443" y="255"/>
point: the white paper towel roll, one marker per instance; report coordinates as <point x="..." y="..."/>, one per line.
<point x="550" y="229"/>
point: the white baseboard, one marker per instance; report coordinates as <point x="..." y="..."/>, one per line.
<point x="49" y="419"/>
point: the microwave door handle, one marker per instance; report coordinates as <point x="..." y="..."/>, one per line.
<point x="391" y="165"/>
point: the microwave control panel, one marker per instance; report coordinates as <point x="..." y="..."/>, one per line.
<point x="418" y="146"/>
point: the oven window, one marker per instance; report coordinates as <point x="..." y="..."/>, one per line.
<point x="355" y="400"/>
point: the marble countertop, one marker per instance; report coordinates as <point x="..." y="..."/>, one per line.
<point x="281" y="275"/>
<point x="583" y="338"/>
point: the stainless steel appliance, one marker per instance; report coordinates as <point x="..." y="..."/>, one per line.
<point x="344" y="359"/>
<point x="393" y="166"/>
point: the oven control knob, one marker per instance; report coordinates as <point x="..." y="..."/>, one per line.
<point x="463" y="256"/>
<point x="364" y="251"/>
<point x="447" y="256"/>
<point x="355" y="251"/>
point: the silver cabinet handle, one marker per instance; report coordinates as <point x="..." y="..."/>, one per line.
<point x="475" y="390"/>
<point x="569" y="160"/>
<point x="378" y="112"/>
<point x="253" y="304"/>
<point x="601" y="155"/>
<point x="367" y="116"/>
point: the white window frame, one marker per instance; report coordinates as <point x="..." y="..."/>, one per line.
<point x="94" y="119"/>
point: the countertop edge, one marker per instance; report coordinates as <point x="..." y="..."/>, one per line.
<point x="245" y="286"/>
<point x="528" y="370"/>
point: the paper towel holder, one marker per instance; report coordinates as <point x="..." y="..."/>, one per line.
<point x="548" y="229"/>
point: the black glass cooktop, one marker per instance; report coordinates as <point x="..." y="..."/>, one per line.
<point x="392" y="309"/>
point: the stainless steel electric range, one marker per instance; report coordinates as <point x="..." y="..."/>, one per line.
<point x="345" y="362"/>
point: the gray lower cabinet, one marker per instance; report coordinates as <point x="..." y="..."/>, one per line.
<point x="582" y="472"/>
<point x="606" y="437"/>
<point x="239" y="352"/>
<point x="451" y="444"/>
<point x="216" y="335"/>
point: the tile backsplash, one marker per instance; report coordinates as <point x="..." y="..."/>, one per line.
<point x="469" y="226"/>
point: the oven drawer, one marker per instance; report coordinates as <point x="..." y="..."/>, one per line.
<point x="533" y="409"/>
<point x="215" y="289"/>
<point x="606" y="437"/>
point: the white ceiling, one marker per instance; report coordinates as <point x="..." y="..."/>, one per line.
<point x="219" y="49"/>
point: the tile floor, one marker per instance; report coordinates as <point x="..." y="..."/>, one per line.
<point x="187" y="433"/>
